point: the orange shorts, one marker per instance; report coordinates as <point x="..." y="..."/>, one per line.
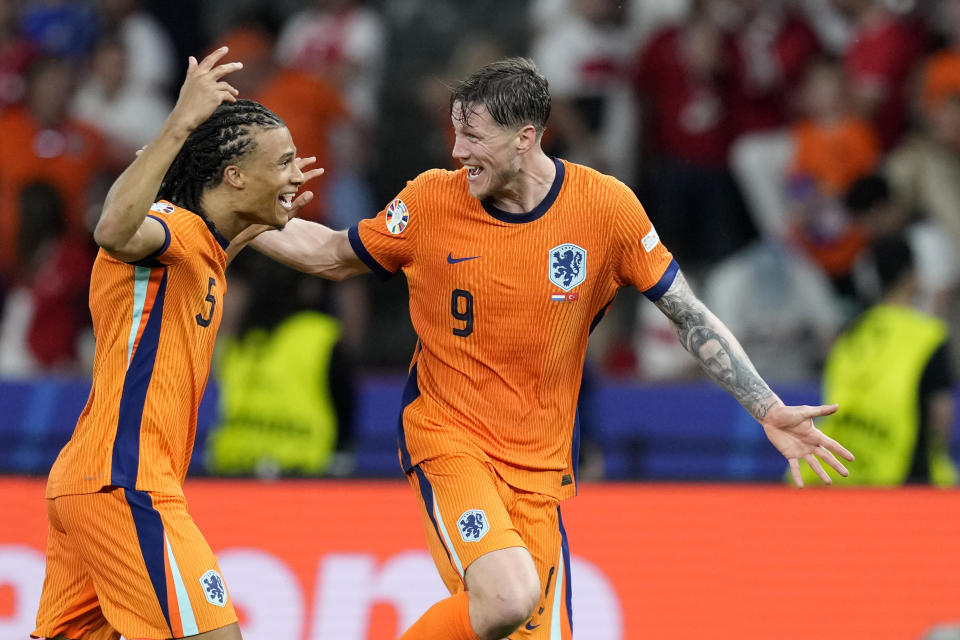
<point x="468" y="511"/>
<point x="128" y="562"/>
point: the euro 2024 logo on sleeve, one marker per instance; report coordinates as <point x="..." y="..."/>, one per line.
<point x="568" y="266"/>
<point x="213" y="588"/>
<point x="397" y="216"/>
<point x="473" y="525"/>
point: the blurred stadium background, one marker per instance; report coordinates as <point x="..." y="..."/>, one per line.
<point x="756" y="133"/>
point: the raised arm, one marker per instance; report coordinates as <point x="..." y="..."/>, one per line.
<point x="124" y="230"/>
<point x="789" y="428"/>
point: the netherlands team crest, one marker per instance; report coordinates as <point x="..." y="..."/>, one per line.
<point x="473" y="525"/>
<point x="213" y="588"/>
<point x="567" y="266"/>
<point x="397" y="216"/>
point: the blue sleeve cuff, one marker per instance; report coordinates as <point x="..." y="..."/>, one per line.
<point x="656" y="292"/>
<point x="151" y="260"/>
<point x="353" y="234"/>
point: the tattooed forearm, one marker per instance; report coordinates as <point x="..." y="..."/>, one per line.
<point x="715" y="348"/>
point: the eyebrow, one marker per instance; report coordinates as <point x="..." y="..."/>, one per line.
<point x="288" y="155"/>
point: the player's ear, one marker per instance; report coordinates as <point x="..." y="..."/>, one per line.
<point x="526" y="138"/>
<point x="233" y="176"/>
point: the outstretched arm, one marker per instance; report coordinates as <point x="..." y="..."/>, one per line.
<point x="309" y="247"/>
<point x="789" y="428"/>
<point x="123" y="230"/>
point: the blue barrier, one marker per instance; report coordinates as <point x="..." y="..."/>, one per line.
<point x="651" y="432"/>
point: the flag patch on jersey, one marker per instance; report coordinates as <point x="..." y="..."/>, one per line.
<point x="162" y="207"/>
<point x="567" y="265"/>
<point x="397" y="216"/>
<point x="565" y="297"/>
<point x="650" y="240"/>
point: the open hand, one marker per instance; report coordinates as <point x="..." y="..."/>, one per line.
<point x="791" y="430"/>
<point x="204" y="89"/>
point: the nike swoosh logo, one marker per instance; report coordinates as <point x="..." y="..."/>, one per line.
<point x="453" y="260"/>
<point x="531" y="627"/>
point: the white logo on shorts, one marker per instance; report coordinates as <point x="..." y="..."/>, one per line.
<point x="213" y="588"/>
<point x="473" y="525"/>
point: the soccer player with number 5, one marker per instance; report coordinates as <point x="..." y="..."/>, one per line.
<point x="123" y="553"/>
<point x="511" y="261"/>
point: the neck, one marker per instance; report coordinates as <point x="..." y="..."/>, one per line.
<point x="901" y="295"/>
<point x="220" y="212"/>
<point x="530" y="186"/>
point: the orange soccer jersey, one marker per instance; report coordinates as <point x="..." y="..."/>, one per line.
<point x="155" y="323"/>
<point x="835" y="155"/>
<point x="503" y="305"/>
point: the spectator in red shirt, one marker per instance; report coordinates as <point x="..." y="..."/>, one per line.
<point x="883" y="52"/>
<point x="46" y="313"/>
<point x="773" y="46"/>
<point x="683" y="79"/>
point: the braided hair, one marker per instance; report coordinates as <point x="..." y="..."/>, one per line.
<point x="217" y="143"/>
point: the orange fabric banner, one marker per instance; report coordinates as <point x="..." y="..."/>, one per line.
<point x="318" y="560"/>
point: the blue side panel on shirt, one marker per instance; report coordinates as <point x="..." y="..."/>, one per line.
<point x="126" y="445"/>
<point x="600" y="314"/>
<point x="565" y="546"/>
<point x="411" y="391"/>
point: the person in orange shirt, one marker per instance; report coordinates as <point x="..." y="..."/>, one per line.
<point x="511" y="261"/>
<point x="123" y="553"/>
<point x="41" y="142"/>
<point x="832" y="145"/>
<point x="832" y="148"/>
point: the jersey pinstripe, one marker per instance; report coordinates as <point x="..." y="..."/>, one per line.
<point x="155" y="323"/>
<point x="503" y="305"/>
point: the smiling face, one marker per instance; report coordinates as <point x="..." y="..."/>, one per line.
<point x="487" y="150"/>
<point x="270" y="176"/>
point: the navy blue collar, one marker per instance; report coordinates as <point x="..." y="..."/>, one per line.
<point x="216" y="234"/>
<point x="213" y="229"/>
<point x="221" y="240"/>
<point x="539" y="210"/>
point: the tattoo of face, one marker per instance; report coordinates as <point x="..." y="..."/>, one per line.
<point x="727" y="364"/>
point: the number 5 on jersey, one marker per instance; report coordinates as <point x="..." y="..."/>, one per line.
<point x="205" y="322"/>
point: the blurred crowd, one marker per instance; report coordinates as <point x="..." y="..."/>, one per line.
<point x="772" y="142"/>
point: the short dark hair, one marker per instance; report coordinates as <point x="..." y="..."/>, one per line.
<point x="892" y="258"/>
<point x="513" y="91"/>
<point x="218" y="142"/>
<point x="866" y="193"/>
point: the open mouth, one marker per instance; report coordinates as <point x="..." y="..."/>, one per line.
<point x="286" y="200"/>
<point x="473" y="172"/>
